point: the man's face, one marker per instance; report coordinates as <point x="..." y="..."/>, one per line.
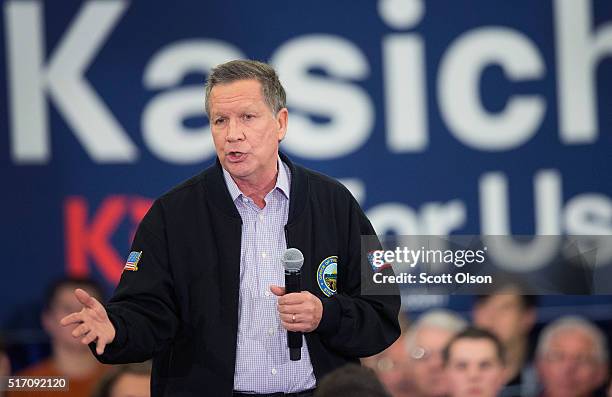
<point x="391" y="366"/>
<point x="132" y="385"/>
<point x="428" y="377"/>
<point x="504" y="316"/>
<point x="474" y="369"/>
<point x="245" y="131"/>
<point x="64" y="302"/>
<point x="5" y="364"/>
<point x="570" y="367"/>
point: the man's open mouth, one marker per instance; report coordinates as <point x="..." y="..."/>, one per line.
<point x="236" y="156"/>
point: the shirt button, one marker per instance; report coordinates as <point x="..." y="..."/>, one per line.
<point x="267" y="293"/>
<point x="271" y="331"/>
<point x="273" y="371"/>
<point x="244" y="199"/>
<point x="263" y="255"/>
<point x="261" y="217"/>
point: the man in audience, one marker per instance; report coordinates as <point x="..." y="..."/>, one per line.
<point x="391" y="365"/>
<point x="5" y="364"/>
<point x="425" y="341"/>
<point x="510" y="315"/>
<point x="571" y="358"/>
<point x="129" y="380"/>
<point x="69" y="358"/>
<point x="350" y="380"/>
<point x="474" y="362"/>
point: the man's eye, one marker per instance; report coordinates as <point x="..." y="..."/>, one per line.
<point x="461" y="366"/>
<point x="219" y="121"/>
<point x="486" y="365"/>
<point x="249" y="116"/>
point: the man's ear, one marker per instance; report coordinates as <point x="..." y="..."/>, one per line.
<point x="529" y="319"/>
<point x="5" y="365"/>
<point x="602" y="375"/>
<point x="282" y="118"/>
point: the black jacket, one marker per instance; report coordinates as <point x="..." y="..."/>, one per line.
<point x="181" y="306"/>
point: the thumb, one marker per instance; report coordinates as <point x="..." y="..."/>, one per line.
<point x="85" y="299"/>
<point x="276" y="290"/>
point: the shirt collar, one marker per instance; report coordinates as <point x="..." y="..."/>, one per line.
<point x="282" y="181"/>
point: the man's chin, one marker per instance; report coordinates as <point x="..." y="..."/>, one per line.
<point x="438" y="392"/>
<point x="237" y="170"/>
<point x="563" y="391"/>
<point x="76" y="346"/>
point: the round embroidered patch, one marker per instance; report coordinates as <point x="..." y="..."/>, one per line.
<point x="327" y="275"/>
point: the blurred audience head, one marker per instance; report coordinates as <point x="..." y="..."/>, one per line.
<point x="572" y="357"/>
<point x="474" y="362"/>
<point x="508" y="313"/>
<point x="59" y="302"/>
<point x="426" y="341"/>
<point x="128" y="380"/>
<point x="391" y="365"/>
<point x="351" y="380"/>
<point x="5" y="364"/>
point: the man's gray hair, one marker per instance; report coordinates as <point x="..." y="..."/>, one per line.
<point x="436" y="318"/>
<point x="229" y="72"/>
<point x="573" y="323"/>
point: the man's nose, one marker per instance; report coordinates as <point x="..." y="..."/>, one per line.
<point x="234" y="132"/>
<point x="570" y="367"/>
<point x="473" y="373"/>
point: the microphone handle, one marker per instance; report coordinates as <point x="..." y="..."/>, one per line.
<point x="294" y="339"/>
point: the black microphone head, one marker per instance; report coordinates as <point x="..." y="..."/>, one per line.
<point x="293" y="259"/>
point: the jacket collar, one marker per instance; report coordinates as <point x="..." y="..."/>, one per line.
<point x="214" y="184"/>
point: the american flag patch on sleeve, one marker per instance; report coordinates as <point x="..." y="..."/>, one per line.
<point x="132" y="261"/>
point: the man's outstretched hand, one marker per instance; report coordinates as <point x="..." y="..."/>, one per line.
<point x="92" y="322"/>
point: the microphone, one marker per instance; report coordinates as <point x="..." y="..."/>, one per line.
<point x="293" y="259"/>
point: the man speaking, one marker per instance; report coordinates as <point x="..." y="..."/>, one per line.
<point x="200" y="292"/>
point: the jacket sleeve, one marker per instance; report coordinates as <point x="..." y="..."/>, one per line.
<point x="356" y="322"/>
<point x="143" y="308"/>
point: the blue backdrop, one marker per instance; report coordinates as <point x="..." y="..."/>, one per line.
<point x="442" y="117"/>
